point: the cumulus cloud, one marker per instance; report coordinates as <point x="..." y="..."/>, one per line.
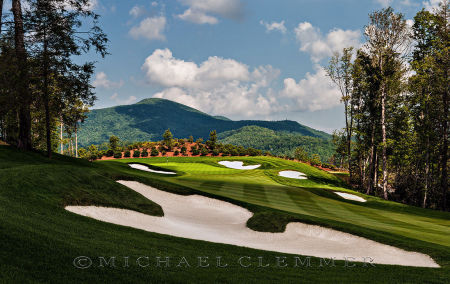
<point x="129" y="100"/>
<point x="198" y="17"/>
<point x="227" y="87"/>
<point x="151" y="28"/>
<point x="274" y="26"/>
<point x="205" y="11"/>
<point x="314" y="92"/>
<point x="137" y="11"/>
<point x="318" y="46"/>
<point x="102" y="81"/>
<point x="217" y="85"/>
<point x="165" y="70"/>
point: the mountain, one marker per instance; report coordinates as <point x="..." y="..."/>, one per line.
<point x="149" y="118"/>
<point x="277" y="142"/>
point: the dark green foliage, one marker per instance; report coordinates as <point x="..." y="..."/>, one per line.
<point x="113" y="142"/>
<point x="144" y="153"/>
<point x="148" y="119"/>
<point x="176" y="153"/>
<point x="136" y="154"/>
<point x="109" y="153"/>
<point x="204" y="151"/>
<point x="154" y="152"/>
<point x="277" y="142"/>
<point x="127" y="154"/>
<point x="118" y="155"/>
<point x="301" y="155"/>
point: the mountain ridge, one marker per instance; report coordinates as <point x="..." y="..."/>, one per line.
<point x="149" y="118"/>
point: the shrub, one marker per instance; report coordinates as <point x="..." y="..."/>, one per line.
<point x="195" y="151"/>
<point x="163" y="152"/>
<point x="204" y="152"/>
<point x="176" y="153"/>
<point x="234" y="152"/>
<point x="118" y="155"/>
<point x="144" y="153"/>
<point x="183" y="150"/>
<point x="109" y="153"/>
<point x="315" y="160"/>
<point x="215" y="152"/>
<point x="136" y="154"/>
<point x="154" y="152"/>
<point x="127" y="154"/>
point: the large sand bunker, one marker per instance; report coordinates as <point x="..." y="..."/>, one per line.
<point x="238" y="165"/>
<point x="350" y="196"/>
<point x="292" y="174"/>
<point x="201" y="218"/>
<point x="147" y="169"/>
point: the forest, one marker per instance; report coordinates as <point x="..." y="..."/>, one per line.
<point x="44" y="90"/>
<point x="395" y="91"/>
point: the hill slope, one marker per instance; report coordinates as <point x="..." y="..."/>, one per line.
<point x="277" y="142"/>
<point x="149" y="118"/>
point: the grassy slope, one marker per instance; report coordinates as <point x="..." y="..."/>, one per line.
<point x="39" y="239"/>
<point x="149" y="119"/>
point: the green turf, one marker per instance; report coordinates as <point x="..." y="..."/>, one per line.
<point x="39" y="239"/>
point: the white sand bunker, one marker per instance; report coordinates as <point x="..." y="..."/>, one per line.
<point x="201" y="218"/>
<point x="147" y="169"/>
<point x="292" y="174"/>
<point x="238" y="165"/>
<point x="350" y="196"/>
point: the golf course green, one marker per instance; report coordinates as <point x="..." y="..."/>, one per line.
<point x="42" y="242"/>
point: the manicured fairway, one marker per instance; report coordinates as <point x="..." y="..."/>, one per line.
<point x="264" y="187"/>
<point x="40" y="240"/>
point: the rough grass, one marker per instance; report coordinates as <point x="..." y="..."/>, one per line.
<point x="39" y="239"/>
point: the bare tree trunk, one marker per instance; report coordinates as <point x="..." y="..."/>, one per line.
<point x="383" y="135"/>
<point x="427" y="170"/>
<point x="46" y="100"/>
<point x="372" y="161"/>
<point x="61" y="137"/>
<point x="76" y="141"/>
<point x="1" y="14"/>
<point x="24" y="142"/>
<point x="444" y="149"/>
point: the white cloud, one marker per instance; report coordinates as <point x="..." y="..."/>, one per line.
<point x="318" y="46"/>
<point x="199" y="11"/>
<point x="154" y="4"/>
<point x="217" y="86"/>
<point x="91" y="5"/>
<point x="163" y="69"/>
<point x="129" y="100"/>
<point x="150" y="28"/>
<point x="101" y="81"/>
<point x="408" y="3"/>
<point x="431" y="5"/>
<point x="137" y="11"/>
<point x="197" y="17"/>
<point x="314" y="92"/>
<point x="227" y="87"/>
<point x="274" y="26"/>
<point x="384" y="3"/>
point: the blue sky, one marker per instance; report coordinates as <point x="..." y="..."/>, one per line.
<point x="244" y="59"/>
